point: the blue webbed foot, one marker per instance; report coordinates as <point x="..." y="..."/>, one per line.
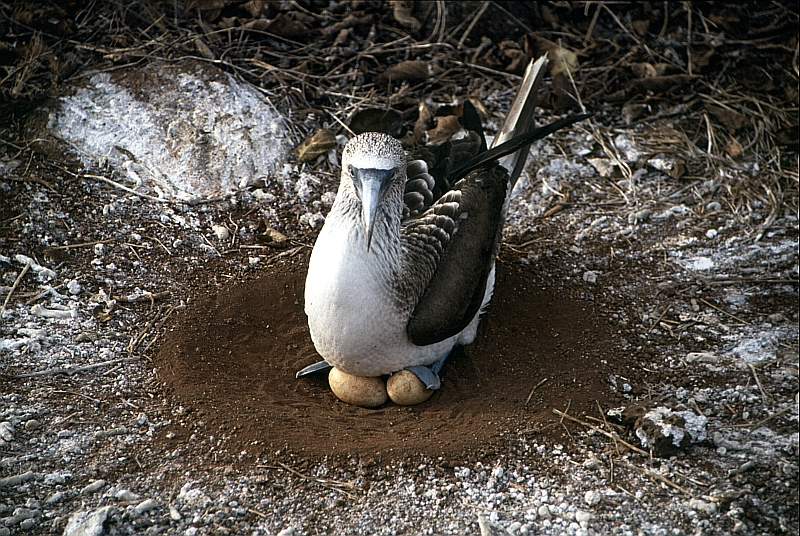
<point x="321" y="365"/>
<point x="430" y="375"/>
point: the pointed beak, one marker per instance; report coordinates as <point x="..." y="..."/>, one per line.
<point x="371" y="185"/>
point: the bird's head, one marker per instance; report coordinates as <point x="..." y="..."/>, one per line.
<point x="372" y="162"/>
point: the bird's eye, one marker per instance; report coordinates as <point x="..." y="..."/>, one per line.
<point x="351" y="170"/>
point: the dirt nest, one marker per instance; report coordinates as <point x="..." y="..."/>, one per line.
<point x="234" y="355"/>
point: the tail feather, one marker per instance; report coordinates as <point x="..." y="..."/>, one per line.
<point x="520" y="117"/>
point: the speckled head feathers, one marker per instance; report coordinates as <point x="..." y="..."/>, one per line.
<point x="374" y="150"/>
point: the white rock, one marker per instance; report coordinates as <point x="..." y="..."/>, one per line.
<point x="145" y="506"/>
<point x="74" y="287"/>
<point x="544" y="512"/>
<point x="126" y="495"/>
<point x="709" y="508"/>
<point x="88" y="524"/>
<point x="221" y="231"/>
<point x="592" y="497"/>
<point x="196" y="133"/>
<point x="94" y="487"/>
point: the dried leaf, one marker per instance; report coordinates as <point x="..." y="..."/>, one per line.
<point x="604" y="166"/>
<point x="320" y="143"/>
<point x="632" y="112"/>
<point x="377" y="120"/>
<point x="732" y="119"/>
<point x="640" y="26"/>
<point x="207" y="10"/>
<point x="405" y="70"/>
<point x="283" y="25"/>
<point x="519" y="60"/>
<point x="401" y="11"/>
<point x="562" y="60"/>
<point x="734" y="148"/>
<point x="643" y="70"/>
<point x="268" y="236"/>
<point x="445" y="127"/>
<point x="101" y="314"/>
<point x="673" y="166"/>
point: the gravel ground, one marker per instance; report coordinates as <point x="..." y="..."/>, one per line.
<point x="88" y="445"/>
<point x="696" y="274"/>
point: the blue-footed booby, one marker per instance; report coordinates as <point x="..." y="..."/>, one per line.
<point x="405" y="262"/>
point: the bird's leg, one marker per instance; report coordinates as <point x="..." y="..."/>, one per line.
<point x="430" y="375"/>
<point x="322" y="365"/>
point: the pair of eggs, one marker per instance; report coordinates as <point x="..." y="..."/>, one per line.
<point x="402" y="387"/>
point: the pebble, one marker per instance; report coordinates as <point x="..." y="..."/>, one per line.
<point x="88" y="524"/>
<point x="145" y="506"/>
<point x="174" y="514"/>
<point x="590" y="276"/>
<point x="544" y="512"/>
<point x="32" y="425"/>
<point x="16" y="479"/>
<point x="582" y="516"/>
<point x="95" y="486"/>
<point x="221" y="231"/>
<point x="20" y="515"/>
<point x="54" y="498"/>
<point x="592" y="497"/>
<point x="6" y="433"/>
<point x="126" y="495"/>
<point x="706" y="507"/>
<point x="74" y="287"/>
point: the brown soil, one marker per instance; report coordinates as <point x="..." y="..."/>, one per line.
<point x="234" y="354"/>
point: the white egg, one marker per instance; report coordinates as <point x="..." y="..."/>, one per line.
<point x="357" y="390"/>
<point x="405" y="389"/>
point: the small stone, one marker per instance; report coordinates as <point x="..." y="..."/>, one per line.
<point x="357" y="390"/>
<point x="16" y="479"/>
<point x="74" y="287"/>
<point x="27" y="524"/>
<point x="582" y="516"/>
<point x="590" y="276"/>
<point x="65" y="434"/>
<point x="221" y="231"/>
<point x="699" y="505"/>
<point x="54" y="498"/>
<point x="88" y="524"/>
<point x="32" y="425"/>
<point x="145" y="506"/>
<point x="6" y="432"/>
<point x="174" y="514"/>
<point x="544" y="512"/>
<point x="94" y="487"/>
<point x="289" y="531"/>
<point x="592" y="498"/>
<point x="126" y="495"/>
<point x="514" y="527"/>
